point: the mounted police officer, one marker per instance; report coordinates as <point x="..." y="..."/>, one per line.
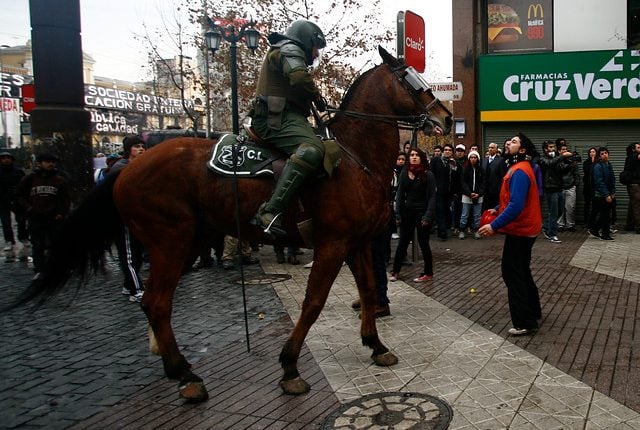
<point x="279" y="114"/>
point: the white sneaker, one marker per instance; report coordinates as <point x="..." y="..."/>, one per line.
<point x="308" y="265"/>
<point x="125" y="291"/>
<point x="137" y="298"/>
<point x="461" y="235"/>
<point x="476" y="235"/>
<point x="8" y="247"/>
<point x="395" y="236"/>
<point x="554" y="239"/>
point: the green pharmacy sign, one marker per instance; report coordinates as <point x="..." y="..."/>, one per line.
<point x="592" y="85"/>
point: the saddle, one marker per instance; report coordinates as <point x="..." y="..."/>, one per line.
<point x="253" y="158"/>
<point x="257" y="158"/>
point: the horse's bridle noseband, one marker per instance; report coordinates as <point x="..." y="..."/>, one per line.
<point x="415" y="84"/>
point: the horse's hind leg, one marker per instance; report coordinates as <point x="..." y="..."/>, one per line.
<point x="166" y="267"/>
<point x="362" y="269"/>
<point x="326" y="266"/>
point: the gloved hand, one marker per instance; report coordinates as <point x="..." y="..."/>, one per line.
<point x="321" y="104"/>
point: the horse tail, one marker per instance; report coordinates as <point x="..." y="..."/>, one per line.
<point x="79" y="246"/>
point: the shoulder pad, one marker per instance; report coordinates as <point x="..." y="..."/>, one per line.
<point x="293" y="58"/>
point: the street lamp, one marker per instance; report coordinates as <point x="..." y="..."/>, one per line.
<point x="5" y="135"/>
<point x="233" y="35"/>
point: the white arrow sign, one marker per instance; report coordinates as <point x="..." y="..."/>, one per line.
<point x="447" y="91"/>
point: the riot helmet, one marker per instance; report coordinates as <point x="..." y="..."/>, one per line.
<point x="307" y="35"/>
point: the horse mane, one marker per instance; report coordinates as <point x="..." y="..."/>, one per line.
<point x="354" y="86"/>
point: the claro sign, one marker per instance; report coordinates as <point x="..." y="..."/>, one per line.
<point x="563" y="86"/>
<point x="411" y="39"/>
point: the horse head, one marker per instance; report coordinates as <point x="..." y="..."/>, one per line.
<point x="420" y="99"/>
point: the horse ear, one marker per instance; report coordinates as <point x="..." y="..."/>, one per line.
<point x="388" y="58"/>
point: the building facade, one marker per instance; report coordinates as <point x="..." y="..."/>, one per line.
<point x="550" y="68"/>
<point x="117" y="107"/>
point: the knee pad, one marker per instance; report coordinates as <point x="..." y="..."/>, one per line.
<point x="308" y="156"/>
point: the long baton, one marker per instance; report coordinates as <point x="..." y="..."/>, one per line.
<point x="234" y="152"/>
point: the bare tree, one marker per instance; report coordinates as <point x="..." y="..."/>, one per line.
<point x="352" y="28"/>
<point x="174" y="76"/>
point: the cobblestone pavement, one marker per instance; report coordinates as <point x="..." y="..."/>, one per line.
<point x="81" y="361"/>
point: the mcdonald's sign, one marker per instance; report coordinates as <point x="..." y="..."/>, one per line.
<point x="535" y="11"/>
<point x="519" y="26"/>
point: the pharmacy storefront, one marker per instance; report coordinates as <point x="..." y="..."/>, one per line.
<point x="589" y="98"/>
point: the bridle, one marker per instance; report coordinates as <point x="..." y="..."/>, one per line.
<point x="415" y="85"/>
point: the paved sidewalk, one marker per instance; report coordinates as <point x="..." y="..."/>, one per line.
<point x="86" y="365"/>
<point x="490" y="382"/>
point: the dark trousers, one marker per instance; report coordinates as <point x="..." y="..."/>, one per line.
<point x="524" y="301"/>
<point x="490" y="201"/>
<point x="443" y="215"/>
<point x="588" y="199"/>
<point x="600" y="219"/>
<point x="42" y="233"/>
<point x="457" y="211"/>
<point x="380" y="256"/>
<point x="130" y="257"/>
<point x="7" y="229"/>
<point x="410" y="222"/>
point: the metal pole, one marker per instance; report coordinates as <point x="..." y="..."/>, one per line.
<point x="207" y="101"/>
<point x="5" y="135"/>
<point x="234" y="87"/>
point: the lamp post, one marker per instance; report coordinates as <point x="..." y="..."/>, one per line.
<point x="5" y="135"/>
<point x="233" y="35"/>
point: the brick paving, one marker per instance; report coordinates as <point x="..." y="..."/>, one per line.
<point x="589" y="318"/>
<point x="81" y="361"/>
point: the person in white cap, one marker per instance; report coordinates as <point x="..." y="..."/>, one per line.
<point x="472" y="190"/>
<point x="460" y="157"/>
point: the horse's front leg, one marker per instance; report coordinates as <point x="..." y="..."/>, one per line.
<point x="362" y="268"/>
<point x="157" y="304"/>
<point x="326" y="265"/>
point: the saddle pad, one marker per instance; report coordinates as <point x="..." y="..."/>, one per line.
<point x="253" y="160"/>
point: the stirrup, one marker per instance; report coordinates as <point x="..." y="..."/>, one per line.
<point x="275" y="230"/>
<point x="272" y="230"/>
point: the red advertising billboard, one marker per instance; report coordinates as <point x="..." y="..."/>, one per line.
<point x="411" y="41"/>
<point x="28" y="98"/>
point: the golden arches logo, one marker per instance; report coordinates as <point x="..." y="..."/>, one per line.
<point x="534" y="9"/>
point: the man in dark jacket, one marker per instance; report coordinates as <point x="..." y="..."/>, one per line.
<point x="494" y="169"/>
<point x="10" y="177"/>
<point x="444" y="169"/>
<point x="44" y="195"/>
<point x="604" y="184"/>
<point x="567" y="219"/>
<point x="553" y="167"/>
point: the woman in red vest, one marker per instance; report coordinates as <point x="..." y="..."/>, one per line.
<point x="520" y="219"/>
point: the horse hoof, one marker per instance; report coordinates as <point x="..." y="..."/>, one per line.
<point x="194" y="392"/>
<point x="295" y="386"/>
<point x="385" y="360"/>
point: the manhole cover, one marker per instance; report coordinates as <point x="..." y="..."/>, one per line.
<point x="391" y="411"/>
<point x="267" y="278"/>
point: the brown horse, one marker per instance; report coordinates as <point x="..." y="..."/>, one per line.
<point x="172" y="203"/>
